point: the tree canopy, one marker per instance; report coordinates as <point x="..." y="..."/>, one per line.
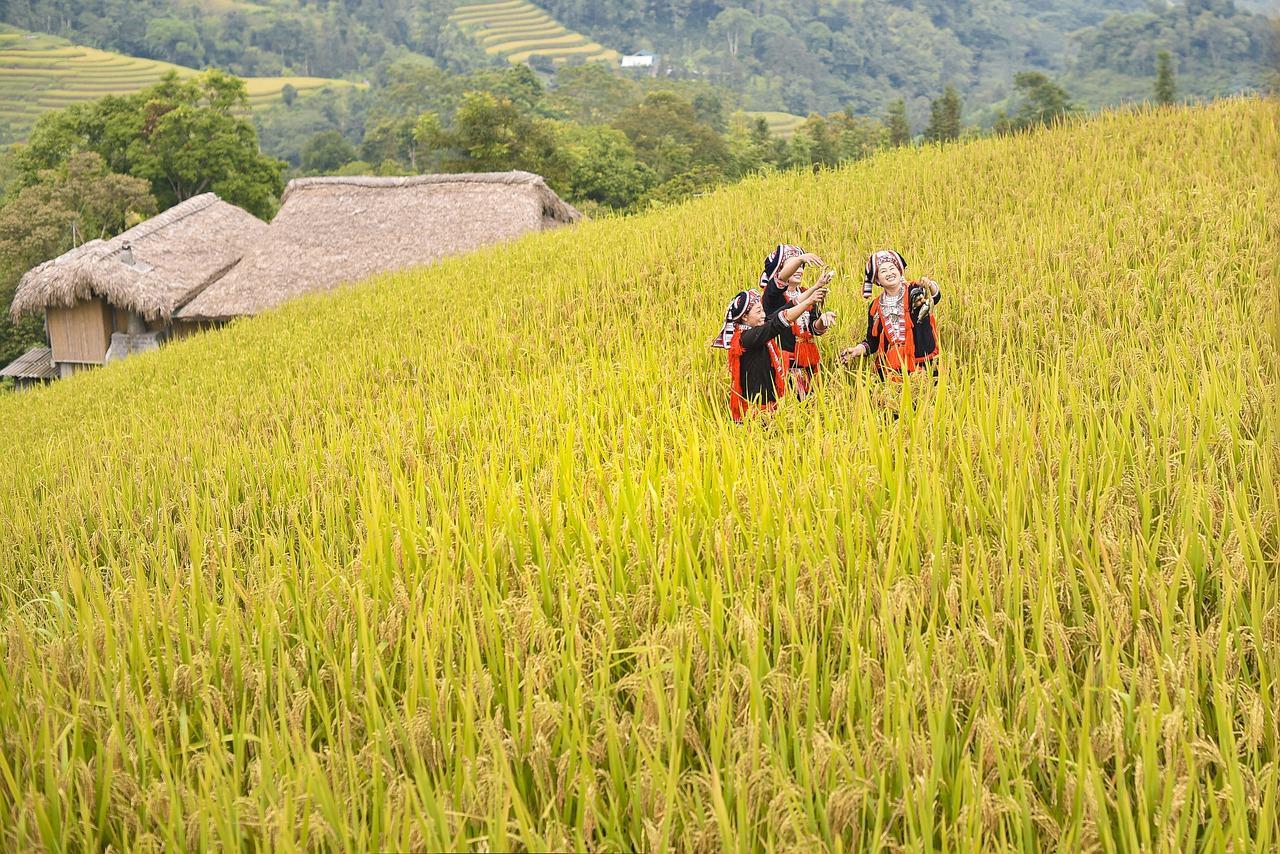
<point x="61" y="207"/>
<point x="184" y="135"/>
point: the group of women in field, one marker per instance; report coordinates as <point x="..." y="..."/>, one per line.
<point x="769" y="332"/>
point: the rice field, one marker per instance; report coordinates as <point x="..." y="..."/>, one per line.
<point x="39" y="73"/>
<point x="517" y="30"/>
<point x="784" y="125"/>
<point x="367" y="574"/>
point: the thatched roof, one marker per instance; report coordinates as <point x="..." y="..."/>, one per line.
<point x="330" y="231"/>
<point x="174" y="256"/>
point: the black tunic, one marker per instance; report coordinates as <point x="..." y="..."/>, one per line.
<point x="755" y="366"/>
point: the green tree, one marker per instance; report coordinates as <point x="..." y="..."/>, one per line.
<point x="709" y="109"/>
<point x="488" y="130"/>
<point x="603" y="167"/>
<point x="1165" y="88"/>
<point x="188" y="150"/>
<point x="288" y="94"/>
<point x="1042" y="100"/>
<point x="736" y="26"/>
<point x="669" y="138"/>
<point x="391" y="144"/>
<point x="753" y="147"/>
<point x="186" y="136"/>
<point x="1002" y="125"/>
<point x="412" y="87"/>
<point x="174" y="40"/>
<point x="944" y="119"/>
<point x="517" y="83"/>
<point x="592" y="93"/>
<point x="61" y="208"/>
<point x="283" y="131"/>
<point x="700" y="178"/>
<point x="491" y="133"/>
<point x="431" y="140"/>
<point x="898" y="131"/>
<point x="859" y="137"/>
<point x="326" y="152"/>
<point x="815" y="143"/>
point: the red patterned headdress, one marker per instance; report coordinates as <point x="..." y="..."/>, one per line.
<point x="873" y="264"/>
<point x="783" y="253"/>
<point x="737" y="309"/>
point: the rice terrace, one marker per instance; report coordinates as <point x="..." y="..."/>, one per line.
<point x="780" y="124"/>
<point x="301" y="583"/>
<point x="518" y="30"/>
<point x="39" y="73"/>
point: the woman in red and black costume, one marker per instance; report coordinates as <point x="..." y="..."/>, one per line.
<point x="757" y="367"/>
<point x="901" y="331"/>
<point x="782" y="285"/>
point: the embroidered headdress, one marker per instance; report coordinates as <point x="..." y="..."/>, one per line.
<point x="783" y="253"/>
<point x="733" y="315"/>
<point x="873" y="264"/>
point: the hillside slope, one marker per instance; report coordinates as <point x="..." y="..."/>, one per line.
<point x="518" y="31"/>
<point x="39" y="73"/>
<point x="472" y="556"/>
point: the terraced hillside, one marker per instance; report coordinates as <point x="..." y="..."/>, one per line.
<point x="40" y="73"/>
<point x="359" y="574"/>
<point x="519" y="30"/>
<point x="780" y="124"/>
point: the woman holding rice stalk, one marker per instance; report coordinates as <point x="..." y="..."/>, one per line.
<point x="757" y="367"/>
<point x="901" y="331"/>
<point x="782" y="282"/>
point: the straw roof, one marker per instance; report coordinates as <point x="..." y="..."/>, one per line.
<point x="174" y="255"/>
<point x="330" y="231"/>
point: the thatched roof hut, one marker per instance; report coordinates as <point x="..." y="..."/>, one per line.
<point x="151" y="269"/>
<point x="330" y="231"/>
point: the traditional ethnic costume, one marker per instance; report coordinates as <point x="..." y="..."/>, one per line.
<point x="902" y="334"/>
<point x="757" y="367"/>
<point x="798" y="346"/>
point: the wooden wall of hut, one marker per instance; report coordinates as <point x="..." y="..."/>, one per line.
<point x="82" y="332"/>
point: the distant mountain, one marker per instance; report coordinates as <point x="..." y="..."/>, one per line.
<point x="824" y="55"/>
<point x="778" y="55"/>
<point x="1218" y="49"/>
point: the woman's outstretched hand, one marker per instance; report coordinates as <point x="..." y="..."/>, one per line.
<point x="848" y="354"/>
<point x="814" y="295"/>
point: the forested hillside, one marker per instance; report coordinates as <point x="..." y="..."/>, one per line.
<point x="322" y="39"/>
<point x="823" y="55"/>
<point x="1218" y="47"/>
<point x="798" y="57"/>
